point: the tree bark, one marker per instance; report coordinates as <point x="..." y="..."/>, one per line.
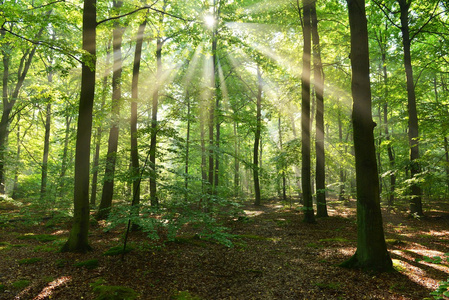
<point x="413" y="131"/>
<point x="371" y="253"/>
<point x="46" y="151"/>
<point x="108" y="186"/>
<point x="78" y="237"/>
<point x="135" y="170"/>
<point x="257" y="200"/>
<point x="305" y="115"/>
<point x="283" y="177"/>
<point x="320" y="171"/>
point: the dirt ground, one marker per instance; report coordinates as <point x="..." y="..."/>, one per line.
<point x="275" y="256"/>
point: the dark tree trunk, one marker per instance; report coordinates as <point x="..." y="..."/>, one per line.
<point x="371" y="253"/>
<point x="257" y="200"/>
<point x="99" y="133"/>
<point x="153" y="175"/>
<point x="78" y="237"/>
<point x="186" y="169"/>
<point x="283" y="177"/>
<point x="413" y="132"/>
<point x="305" y="115"/>
<point x="16" y="169"/>
<point x="108" y="185"/>
<point x="236" y="161"/>
<point x="341" y="193"/>
<point x="321" y="207"/>
<point x="46" y="151"/>
<point x="135" y="172"/>
<point x="68" y="122"/>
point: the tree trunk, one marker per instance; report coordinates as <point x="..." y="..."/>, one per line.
<point x="413" y="132"/>
<point x="135" y="170"/>
<point x="186" y="170"/>
<point x="236" y="161"/>
<point x="108" y="186"/>
<point x="16" y="169"/>
<point x="283" y="177"/>
<point x="68" y="122"/>
<point x="341" y="192"/>
<point x="371" y="253"/>
<point x="99" y="133"/>
<point x="257" y="200"/>
<point x="153" y="175"/>
<point x="305" y="115"/>
<point x="46" y="151"/>
<point x="321" y="207"/>
<point x="78" y="237"/>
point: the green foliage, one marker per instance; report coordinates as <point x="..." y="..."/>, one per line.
<point x="329" y="285"/>
<point x="21" y="284"/>
<point x="336" y="239"/>
<point x="43" y="238"/>
<point x="117" y="250"/>
<point x="29" y="261"/>
<point x="2" y="288"/>
<point x="88" y="264"/>
<point x="442" y="291"/>
<point x="111" y="292"/>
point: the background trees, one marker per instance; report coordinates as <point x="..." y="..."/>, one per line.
<point x="200" y="119"/>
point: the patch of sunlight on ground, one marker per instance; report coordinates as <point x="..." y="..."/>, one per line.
<point x="60" y="232"/>
<point x="253" y="213"/>
<point x="48" y="290"/>
<point x="348" y="251"/>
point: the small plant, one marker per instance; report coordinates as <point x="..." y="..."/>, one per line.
<point x="2" y="288"/>
<point x="88" y="264"/>
<point x="112" y="292"/>
<point x="117" y="250"/>
<point x="44" y="248"/>
<point x="432" y="260"/>
<point x="29" y="261"/>
<point x="43" y="238"/>
<point x="21" y="284"/>
<point x="60" y="263"/>
<point x="441" y="291"/>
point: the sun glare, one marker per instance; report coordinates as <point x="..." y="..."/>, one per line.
<point x="209" y="21"/>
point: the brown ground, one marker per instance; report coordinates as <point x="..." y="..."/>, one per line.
<point x="276" y="257"/>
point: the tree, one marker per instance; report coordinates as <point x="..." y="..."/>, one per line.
<point x="371" y="253"/>
<point x="78" y="237"/>
<point x="257" y="200"/>
<point x="108" y="186"/>
<point x="318" y="80"/>
<point x="305" y="115"/>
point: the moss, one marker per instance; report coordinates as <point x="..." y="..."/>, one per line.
<point x="88" y="264"/>
<point x="21" y="284"/>
<point x="43" y="238"/>
<point x="60" y="263"/>
<point x="117" y="250"/>
<point x="184" y="295"/>
<point x="112" y="292"/>
<point x="329" y="285"/>
<point x="336" y="239"/>
<point x="29" y="261"/>
<point x="2" y="288"/>
<point x="44" y="248"/>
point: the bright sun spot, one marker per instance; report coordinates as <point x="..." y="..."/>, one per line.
<point x="209" y="20"/>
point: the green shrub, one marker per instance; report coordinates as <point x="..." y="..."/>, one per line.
<point x="442" y="290"/>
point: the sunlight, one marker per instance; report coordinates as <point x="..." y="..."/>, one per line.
<point x="210" y="21"/>
<point x="48" y="290"/>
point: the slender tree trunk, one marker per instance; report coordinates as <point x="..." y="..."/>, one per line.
<point x="305" y="115"/>
<point x="16" y="169"/>
<point x="46" y="151"/>
<point x="135" y="171"/>
<point x="236" y="160"/>
<point x="283" y="177"/>
<point x="108" y="186"/>
<point x="68" y="122"/>
<point x="186" y="170"/>
<point x="153" y="176"/>
<point x="341" y="194"/>
<point x="78" y="237"/>
<point x="371" y="253"/>
<point x="99" y="132"/>
<point x="319" y="123"/>
<point x="413" y="132"/>
<point x="257" y="200"/>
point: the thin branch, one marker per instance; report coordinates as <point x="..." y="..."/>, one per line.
<point x="428" y="21"/>
<point x="383" y="8"/>
<point x="44" y="5"/>
<point x="41" y="43"/>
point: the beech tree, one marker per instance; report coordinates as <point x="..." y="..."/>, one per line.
<point x="371" y="253"/>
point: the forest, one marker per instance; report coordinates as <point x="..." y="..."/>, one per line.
<point x="224" y="149"/>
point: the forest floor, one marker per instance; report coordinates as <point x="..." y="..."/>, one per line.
<point x="275" y="256"/>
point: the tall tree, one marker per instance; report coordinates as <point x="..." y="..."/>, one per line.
<point x="257" y="200"/>
<point x="135" y="96"/>
<point x="318" y="80"/>
<point x="305" y="114"/>
<point x="108" y="186"/>
<point x="413" y="131"/>
<point x="371" y="253"/>
<point x="78" y="237"/>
